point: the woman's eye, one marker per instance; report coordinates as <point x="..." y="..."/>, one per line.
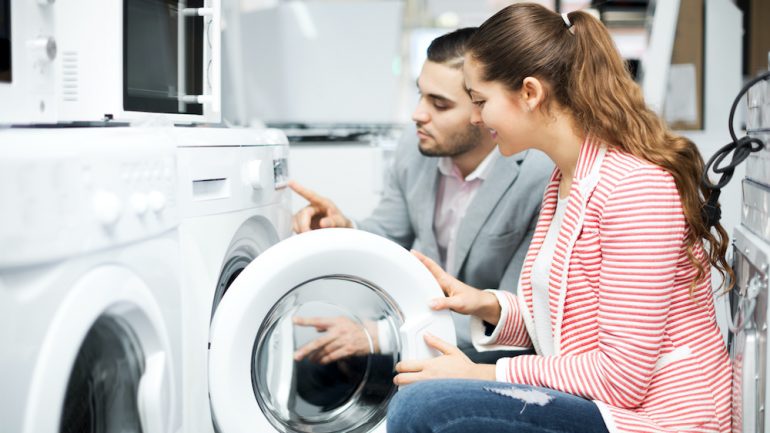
<point x="479" y="103"/>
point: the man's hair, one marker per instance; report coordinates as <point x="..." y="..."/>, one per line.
<point x="449" y="49"/>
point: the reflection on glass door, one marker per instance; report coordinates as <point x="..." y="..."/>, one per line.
<point x="325" y="356"/>
<point x="5" y="41"/>
<point x="102" y="390"/>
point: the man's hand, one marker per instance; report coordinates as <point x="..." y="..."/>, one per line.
<point x="343" y="338"/>
<point x="452" y="364"/>
<point x="461" y="297"/>
<point x="321" y="213"/>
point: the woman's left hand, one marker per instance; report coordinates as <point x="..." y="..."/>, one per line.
<point x="451" y="364"/>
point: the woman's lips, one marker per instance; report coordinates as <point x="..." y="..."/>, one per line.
<point x="493" y="133"/>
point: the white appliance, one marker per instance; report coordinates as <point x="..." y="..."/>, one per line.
<point x="89" y="281"/>
<point x="308" y="79"/>
<point x="27" y="68"/>
<point x="255" y="383"/>
<point x="137" y="59"/>
<point x="242" y="287"/>
<point x="234" y="205"/>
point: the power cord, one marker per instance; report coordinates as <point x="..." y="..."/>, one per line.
<point x="740" y="148"/>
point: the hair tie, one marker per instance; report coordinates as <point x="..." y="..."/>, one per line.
<point x="566" y="20"/>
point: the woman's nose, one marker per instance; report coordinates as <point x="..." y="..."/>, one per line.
<point x="476" y="117"/>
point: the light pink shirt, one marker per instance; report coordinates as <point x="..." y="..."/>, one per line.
<point x="455" y="193"/>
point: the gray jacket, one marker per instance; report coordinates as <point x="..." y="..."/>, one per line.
<point x="494" y="235"/>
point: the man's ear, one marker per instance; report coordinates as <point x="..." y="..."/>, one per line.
<point x="532" y="92"/>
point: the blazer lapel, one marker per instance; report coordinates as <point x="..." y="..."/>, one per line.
<point x="586" y="177"/>
<point x="482" y="205"/>
<point x="427" y="196"/>
<point x="547" y="211"/>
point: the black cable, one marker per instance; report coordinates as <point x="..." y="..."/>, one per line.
<point x="740" y="148"/>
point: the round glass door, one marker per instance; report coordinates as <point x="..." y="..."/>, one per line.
<point x="325" y="355"/>
<point x="101" y="395"/>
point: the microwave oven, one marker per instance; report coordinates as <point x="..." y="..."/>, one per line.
<point x="27" y="53"/>
<point x="124" y="60"/>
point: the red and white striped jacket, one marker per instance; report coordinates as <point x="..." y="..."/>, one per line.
<point x="627" y="332"/>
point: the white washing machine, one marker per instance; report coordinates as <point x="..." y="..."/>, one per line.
<point x="89" y="281"/>
<point x="234" y="205"/>
<point x="257" y="384"/>
<point x="239" y="369"/>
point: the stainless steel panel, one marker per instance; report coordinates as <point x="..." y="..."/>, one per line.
<point x="758" y="101"/>
<point x="749" y="346"/>
<point x="758" y="163"/>
<point x="755" y="208"/>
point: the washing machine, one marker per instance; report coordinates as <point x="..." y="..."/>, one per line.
<point x="234" y="205"/>
<point x="89" y="281"/>
<point x="246" y="280"/>
<point x="258" y="383"/>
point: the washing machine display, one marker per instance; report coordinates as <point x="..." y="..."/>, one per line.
<point x="276" y="362"/>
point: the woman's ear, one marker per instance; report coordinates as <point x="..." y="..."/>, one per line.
<point x="532" y="92"/>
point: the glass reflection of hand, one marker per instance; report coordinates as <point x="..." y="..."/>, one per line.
<point x="460" y="297"/>
<point x="342" y="338"/>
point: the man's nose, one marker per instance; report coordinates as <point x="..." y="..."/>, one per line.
<point x="420" y="114"/>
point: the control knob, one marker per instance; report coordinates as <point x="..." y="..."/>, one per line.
<point x="42" y="49"/>
<point x="106" y="207"/>
<point x="139" y="203"/>
<point x="254" y="173"/>
<point x="157" y="201"/>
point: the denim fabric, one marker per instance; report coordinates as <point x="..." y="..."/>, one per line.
<point x="457" y="406"/>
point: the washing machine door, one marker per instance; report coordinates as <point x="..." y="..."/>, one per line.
<point x="308" y="336"/>
<point x="105" y="364"/>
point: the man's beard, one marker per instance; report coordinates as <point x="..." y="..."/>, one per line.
<point x="457" y="145"/>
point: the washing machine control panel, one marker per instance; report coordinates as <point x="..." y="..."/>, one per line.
<point x="220" y="179"/>
<point x="66" y="192"/>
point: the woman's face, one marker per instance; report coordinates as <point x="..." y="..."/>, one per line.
<point x="504" y="112"/>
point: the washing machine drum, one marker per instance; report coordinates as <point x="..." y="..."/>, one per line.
<point x="308" y="335"/>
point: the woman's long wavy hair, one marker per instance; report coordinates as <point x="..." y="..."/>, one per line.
<point x="586" y="75"/>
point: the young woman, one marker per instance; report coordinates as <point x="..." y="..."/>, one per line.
<point x="615" y="292"/>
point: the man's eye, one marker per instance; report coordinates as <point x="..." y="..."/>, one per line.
<point x="479" y="103"/>
<point x="440" y="106"/>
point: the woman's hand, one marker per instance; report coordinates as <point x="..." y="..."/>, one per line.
<point x="461" y="297"/>
<point x="452" y="364"/>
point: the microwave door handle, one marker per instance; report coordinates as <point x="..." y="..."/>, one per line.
<point x="212" y="68"/>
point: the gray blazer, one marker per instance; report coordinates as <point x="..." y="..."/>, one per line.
<point x="494" y="235"/>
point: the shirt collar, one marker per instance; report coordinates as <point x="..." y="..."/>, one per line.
<point x="447" y="167"/>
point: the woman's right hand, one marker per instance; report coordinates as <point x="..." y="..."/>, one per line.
<point x="461" y="297"/>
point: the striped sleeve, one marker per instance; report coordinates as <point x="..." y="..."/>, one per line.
<point x="641" y="233"/>
<point x="510" y="330"/>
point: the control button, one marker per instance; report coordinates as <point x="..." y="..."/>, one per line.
<point x="157" y="200"/>
<point x="106" y="207"/>
<point x="254" y="174"/>
<point x="139" y="203"/>
<point x="42" y="49"/>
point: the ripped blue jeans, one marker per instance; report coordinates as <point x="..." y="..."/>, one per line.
<point x="458" y="406"/>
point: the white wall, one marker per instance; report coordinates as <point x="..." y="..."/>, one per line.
<point x="349" y="174"/>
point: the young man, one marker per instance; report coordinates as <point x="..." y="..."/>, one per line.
<point x="452" y="197"/>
